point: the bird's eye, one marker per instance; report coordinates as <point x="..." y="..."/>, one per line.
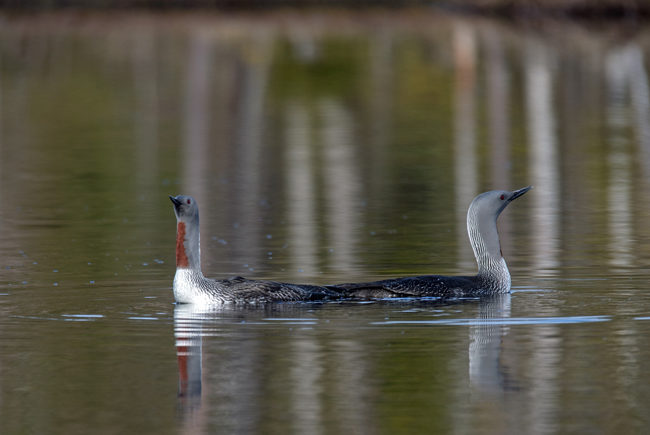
<point x="502" y="197"/>
<point x="189" y="201"/>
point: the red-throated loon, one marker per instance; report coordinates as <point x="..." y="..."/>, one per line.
<point x="190" y="286"/>
<point x="493" y="276"/>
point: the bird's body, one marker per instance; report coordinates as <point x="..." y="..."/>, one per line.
<point x="493" y="276"/>
<point x="418" y="287"/>
<point x="190" y="286"/>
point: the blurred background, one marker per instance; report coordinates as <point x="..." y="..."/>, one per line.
<point x="322" y="142"/>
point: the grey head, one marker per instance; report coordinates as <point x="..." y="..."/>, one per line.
<point x="186" y="208"/>
<point x="489" y="205"/>
<point x="482" y="225"/>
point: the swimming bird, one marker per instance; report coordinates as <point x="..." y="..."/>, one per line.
<point x="493" y="276"/>
<point x="190" y="286"/>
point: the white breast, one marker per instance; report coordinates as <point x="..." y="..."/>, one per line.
<point x="190" y="288"/>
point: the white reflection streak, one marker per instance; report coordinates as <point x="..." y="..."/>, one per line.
<point x="624" y="67"/>
<point x="248" y="140"/>
<point x="303" y="43"/>
<point x="543" y="158"/>
<point x="197" y="110"/>
<point x="545" y="226"/>
<point x="189" y="353"/>
<point x="306" y="372"/>
<point x="498" y="92"/>
<point x="341" y="183"/>
<point x="221" y="384"/>
<point x="300" y="189"/>
<point x="352" y="388"/>
<point x="640" y="91"/>
<point x="466" y="167"/>
<point x="545" y="362"/>
<point x="251" y="117"/>
<point x="618" y="72"/>
<point x="485" y="343"/>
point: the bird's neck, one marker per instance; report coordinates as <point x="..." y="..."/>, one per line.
<point x="484" y="238"/>
<point x="188" y="251"/>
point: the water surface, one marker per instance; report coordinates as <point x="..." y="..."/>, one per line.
<point x="321" y="147"/>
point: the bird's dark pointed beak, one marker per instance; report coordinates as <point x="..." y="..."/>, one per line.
<point x="175" y="201"/>
<point x="517" y="193"/>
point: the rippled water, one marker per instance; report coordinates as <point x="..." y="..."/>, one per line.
<point x="322" y="147"/>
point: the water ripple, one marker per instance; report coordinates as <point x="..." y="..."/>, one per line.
<point x="500" y="321"/>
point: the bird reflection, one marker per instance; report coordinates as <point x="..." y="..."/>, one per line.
<point x="241" y="373"/>
<point x="187" y="331"/>
<point x="238" y="371"/>
<point x="486" y="363"/>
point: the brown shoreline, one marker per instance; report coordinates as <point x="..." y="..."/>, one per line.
<point x="559" y="9"/>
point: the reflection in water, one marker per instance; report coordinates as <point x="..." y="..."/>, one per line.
<point x="499" y="122"/>
<point x="306" y="373"/>
<point x="341" y="182"/>
<point x="545" y="379"/>
<point x="546" y="225"/>
<point x="545" y="174"/>
<point x="339" y="137"/>
<point x="627" y="79"/>
<point x="619" y="196"/>
<point x="486" y="371"/>
<point x="466" y="165"/>
<point x="289" y="143"/>
<point x="354" y="386"/>
<point x="301" y="189"/>
<point x="189" y="352"/>
<point x="225" y="381"/>
<point x="224" y="387"/>
<point x="250" y="81"/>
<point x="313" y="370"/>
<point x="640" y="94"/>
<point x="498" y="99"/>
<point x="195" y="161"/>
